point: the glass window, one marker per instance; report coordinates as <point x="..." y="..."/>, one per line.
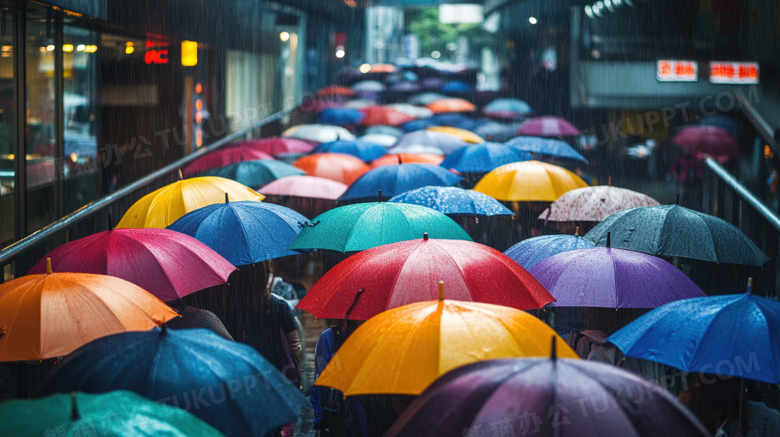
<point x="7" y="156"/>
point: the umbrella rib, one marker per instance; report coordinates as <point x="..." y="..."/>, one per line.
<point x="398" y="274"/>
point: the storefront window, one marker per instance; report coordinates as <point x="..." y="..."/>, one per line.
<point x="7" y="156"/>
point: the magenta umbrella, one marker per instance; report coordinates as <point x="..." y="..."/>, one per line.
<point x="225" y="156"/>
<point x="278" y="146"/>
<point x="305" y="186"/>
<point x="547" y="127"/>
<point x="165" y="263"/>
<point x="709" y="140"/>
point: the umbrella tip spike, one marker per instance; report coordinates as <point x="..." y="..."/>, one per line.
<point x="750" y="285"/>
<point x="48" y="266"/>
<point x="441" y="290"/>
<point x="163" y="329"/>
<point x="425" y="236"/>
<point x="553" y="349"/>
<point x="609" y="240"/>
<point x="380" y="195"/>
<point x="181" y="176"/>
<point x="74" y="411"/>
<point x="677" y="202"/>
<point x="227" y="198"/>
<point x="609" y="181"/>
<point x="577" y="231"/>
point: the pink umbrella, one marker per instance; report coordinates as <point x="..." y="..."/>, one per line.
<point x="547" y="127"/>
<point x="223" y="157"/>
<point x="305" y="186"/>
<point x="709" y="140"/>
<point x="278" y="146"/>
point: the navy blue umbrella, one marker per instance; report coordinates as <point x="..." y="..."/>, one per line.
<point x="364" y="150"/>
<point x="453" y="201"/>
<point x="546" y="146"/>
<point x="229" y="385"/>
<point x="256" y="173"/>
<point x="460" y="121"/>
<point x="483" y="158"/>
<point x="244" y="232"/>
<point x="340" y="116"/>
<point x="397" y="179"/>
<point x="456" y="86"/>
<point x="414" y="125"/>
<point x="529" y="252"/>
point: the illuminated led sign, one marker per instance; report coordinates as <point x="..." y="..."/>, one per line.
<point x="734" y="72"/>
<point x="670" y="70"/>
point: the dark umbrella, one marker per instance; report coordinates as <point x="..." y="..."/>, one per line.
<point x="546" y="146"/>
<point x="393" y="180"/>
<point x="416" y="125"/>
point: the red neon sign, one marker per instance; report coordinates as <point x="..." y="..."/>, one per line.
<point x="156" y="56"/>
<point x="734" y="72"/>
<point x="669" y="70"/>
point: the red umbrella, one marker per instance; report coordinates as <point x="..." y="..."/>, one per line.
<point x="223" y="157"/>
<point x="547" y="127"/>
<point x="165" y="263"/>
<point x="402" y="273"/>
<point x="381" y="115"/>
<point x="334" y="90"/>
<point x="278" y="146"/>
<point x="404" y="158"/>
<point x="709" y="140"/>
<point x="337" y="167"/>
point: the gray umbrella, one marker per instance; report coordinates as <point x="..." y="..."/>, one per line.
<point x="498" y="132"/>
<point x="429" y="140"/>
<point x="380" y="129"/>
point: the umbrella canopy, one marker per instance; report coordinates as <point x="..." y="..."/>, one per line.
<point x="334" y="90"/>
<point x="407" y="272"/>
<point x="339" y="116"/>
<point x="519" y="396"/>
<point x="224" y="156"/>
<point x="305" y="186"/>
<point x="405" y="87"/>
<point x="255" y="173"/>
<point x="243" y="232"/>
<point x="594" y="204"/>
<point x="362" y="226"/>
<point x="369" y="85"/>
<point x="709" y="140"/>
<point x="238" y="391"/>
<point x="337" y="167"/>
<point x="387" y="130"/>
<point x="433" y="83"/>
<point x="393" y="180"/>
<point x="318" y="133"/>
<point x="52" y="314"/>
<point x="734" y="335"/>
<point x="277" y="146"/>
<point x="463" y="134"/>
<point x="531" y="251"/>
<point x="498" y="132"/>
<point x="507" y="108"/>
<point x="407" y="158"/>
<point x="672" y="230"/>
<point x="455" y="87"/>
<point x="425" y="99"/>
<point x="383" y="68"/>
<point x="482" y="158"/>
<point x="411" y="110"/>
<point x="451" y="105"/>
<point x="427" y="140"/>
<point x="453" y="201"/>
<point x="129" y="415"/>
<point x="164" y="206"/>
<point x="385" y="140"/>
<point x="404" y="350"/>
<point x="416" y="125"/>
<point x="360" y="149"/>
<point x="546" y="146"/>
<point x="720" y="121"/>
<point x="547" y="127"/>
<point x="529" y="181"/>
<point x="382" y="115"/>
<point x="167" y="264"/>
<point x="360" y="104"/>
<point x="615" y="278"/>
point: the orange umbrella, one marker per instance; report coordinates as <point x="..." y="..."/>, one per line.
<point x="406" y="158"/>
<point x="383" y="68"/>
<point x="338" y="167"/>
<point x="53" y="314"/>
<point x="451" y="105"/>
<point x="334" y="90"/>
<point x="382" y="115"/>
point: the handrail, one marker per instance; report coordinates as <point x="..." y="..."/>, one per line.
<point x="11" y="252"/>
<point x="759" y="122"/>
<point x="740" y="189"/>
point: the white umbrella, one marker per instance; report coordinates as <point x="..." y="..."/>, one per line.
<point x="411" y="110"/>
<point x="415" y="149"/>
<point x="320" y="133"/>
<point x="425" y="99"/>
<point x="360" y="104"/>
<point x="381" y="139"/>
<point x="369" y="85"/>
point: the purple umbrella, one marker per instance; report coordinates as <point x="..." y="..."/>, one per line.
<point x="547" y="127"/>
<point x="429" y="140"/>
<point x="545" y="397"/>
<point x="709" y="140"/>
<point x="612" y="278"/>
<point x="404" y="87"/>
<point x="432" y="83"/>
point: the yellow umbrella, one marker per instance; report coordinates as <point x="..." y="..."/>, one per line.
<point x="463" y="134"/>
<point x="404" y="350"/>
<point x="160" y="208"/>
<point x="529" y="181"/>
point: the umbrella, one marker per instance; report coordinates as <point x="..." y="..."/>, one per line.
<point x="507" y="108"/>
<point x="498" y="132"/>
<point x="612" y="278"/>
<point x="416" y="125"/>
<point x="382" y="115"/>
<point x="594" y="204"/>
<point x="305" y="186"/>
<point x="546" y="146"/>
<point x="117" y="414"/>
<point x="233" y="388"/>
<point x="339" y="116"/>
<point x="369" y="85"/>
<point x="385" y="140"/>
<point x="546" y="397"/>
<point x="547" y="127"/>
<point x="338" y="167"/>
<point x="469" y="137"/>
<point x="455" y="87"/>
<point x="334" y="90"/>
<point x="363" y="150"/>
<point x="360" y="104"/>
<point x="243" y="232"/>
<point x="277" y="146"/>
<point x="362" y="226"/>
<point x="411" y="110"/>
<point x="720" y="121"/>
<point x="425" y="98"/>
<point x="411" y="158"/>
<point x="407" y="272"/>
<point x="369" y="95"/>
<point x="393" y="180"/>
<point x="386" y="130"/>
<point x="164" y="206"/>
<point x="529" y="181"/>
<point x="167" y="264"/>
<point x="429" y="141"/>
<point x="734" y="335"/>
<point x="404" y="87"/>
<point x="453" y="201"/>
<point x="255" y="173"/>
<point x="319" y="133"/>
<point x="709" y="140"/>
<point x="482" y="158"/>
<point x="451" y="105"/>
<point x="433" y="83"/>
<point x="672" y="230"/>
<point x="404" y="350"/>
<point x="383" y="68"/>
<point x="529" y="252"/>
<point x="224" y="156"/>
<point x="319" y="104"/>
<point x="52" y="314"/>
<point x="458" y="120"/>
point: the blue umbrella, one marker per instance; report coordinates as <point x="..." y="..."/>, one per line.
<point x="339" y="116"/>
<point x="498" y="132"/>
<point x="483" y="158"/>
<point x="507" y="108"/>
<point x="457" y="120"/>
<point x="229" y="385"/>
<point x="364" y="150"/>
<point x="529" y="252"/>
<point x="415" y="125"/>
<point x="243" y="232"/>
<point x="257" y="173"/>
<point x="734" y="335"/>
<point x="453" y="201"/>
<point x="397" y="179"/>
<point x="546" y="146"/>
<point x="456" y="86"/>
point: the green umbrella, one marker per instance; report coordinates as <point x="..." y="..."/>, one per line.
<point x="366" y="225"/>
<point x="255" y="174"/>
<point x="117" y="413"/>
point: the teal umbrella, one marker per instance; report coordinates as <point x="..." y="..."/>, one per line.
<point x="116" y="413"/>
<point x="366" y="225"/>
<point x="257" y="173"/>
